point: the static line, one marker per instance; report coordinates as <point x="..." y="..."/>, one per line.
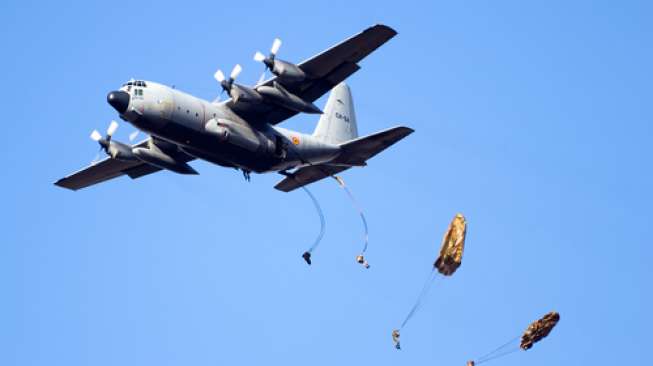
<point x="358" y="208"/>
<point x="322" y="221"/>
<point x="420" y="298"/>
<point x="491" y="355"/>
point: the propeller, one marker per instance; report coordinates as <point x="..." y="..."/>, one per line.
<point x="227" y="84"/>
<point x="105" y="141"/>
<point x="269" y="60"/>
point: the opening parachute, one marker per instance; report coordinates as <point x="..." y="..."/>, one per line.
<point x="453" y="245"/>
<point x="535" y="332"/>
<point x="448" y="261"/>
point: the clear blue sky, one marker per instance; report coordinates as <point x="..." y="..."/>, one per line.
<point x="532" y="118"/>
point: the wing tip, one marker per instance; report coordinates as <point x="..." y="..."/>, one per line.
<point x="62" y="183"/>
<point x="391" y="32"/>
<point x="405" y="130"/>
<point x="283" y="187"/>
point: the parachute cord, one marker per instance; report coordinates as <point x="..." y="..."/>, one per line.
<point x="490" y="355"/>
<point x="321" y="215"/>
<point x="358" y="208"/>
<point x="498" y="356"/>
<point x="420" y="297"/>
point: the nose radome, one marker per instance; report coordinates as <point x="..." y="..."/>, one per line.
<point x="119" y="100"/>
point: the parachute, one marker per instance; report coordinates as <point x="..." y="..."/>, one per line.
<point x="535" y="332"/>
<point x="538" y="330"/>
<point x="453" y="244"/>
<point x="448" y="261"/>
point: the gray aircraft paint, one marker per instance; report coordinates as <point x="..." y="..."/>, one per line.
<point x="193" y="124"/>
<point x="243" y="134"/>
<point x="338" y="123"/>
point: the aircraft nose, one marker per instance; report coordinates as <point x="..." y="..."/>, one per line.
<point x="118" y="100"/>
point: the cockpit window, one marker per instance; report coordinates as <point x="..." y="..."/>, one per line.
<point x="136" y="83"/>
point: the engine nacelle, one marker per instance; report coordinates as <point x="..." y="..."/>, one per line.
<point x="234" y="133"/>
<point x="287" y="71"/>
<point x="165" y="146"/>
<point x="277" y="94"/>
<point x="158" y="158"/>
<point x="119" y="151"/>
<point x="242" y="93"/>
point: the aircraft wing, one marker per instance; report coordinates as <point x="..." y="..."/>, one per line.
<point x="324" y="71"/>
<point x="108" y="169"/>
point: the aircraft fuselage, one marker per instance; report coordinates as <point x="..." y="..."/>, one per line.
<point x="212" y="132"/>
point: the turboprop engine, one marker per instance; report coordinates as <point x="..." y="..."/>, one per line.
<point x="116" y="150"/>
<point x="277" y="94"/>
<point x="161" y="154"/>
<point x="286" y="72"/>
<point x="236" y="91"/>
<point x="235" y="133"/>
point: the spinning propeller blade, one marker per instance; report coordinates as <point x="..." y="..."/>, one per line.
<point x="275" y="46"/>
<point x="95" y="136"/>
<point x="113" y="126"/>
<point x="258" y="56"/>
<point x="219" y="76"/>
<point x="235" y="72"/>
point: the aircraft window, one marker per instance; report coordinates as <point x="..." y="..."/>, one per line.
<point x="196" y="115"/>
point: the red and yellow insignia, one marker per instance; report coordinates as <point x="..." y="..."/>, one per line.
<point x="295" y="140"/>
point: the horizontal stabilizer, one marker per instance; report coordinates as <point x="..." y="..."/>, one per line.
<point x="356" y="152"/>
<point x="353" y="153"/>
<point x="308" y="175"/>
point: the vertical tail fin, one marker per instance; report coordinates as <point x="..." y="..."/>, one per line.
<point x="338" y="122"/>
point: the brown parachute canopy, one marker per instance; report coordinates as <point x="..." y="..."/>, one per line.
<point x="538" y="330"/>
<point x="453" y="244"/>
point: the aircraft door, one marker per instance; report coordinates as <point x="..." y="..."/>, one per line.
<point x="280" y="147"/>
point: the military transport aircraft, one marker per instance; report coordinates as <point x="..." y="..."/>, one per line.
<point x="241" y="132"/>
